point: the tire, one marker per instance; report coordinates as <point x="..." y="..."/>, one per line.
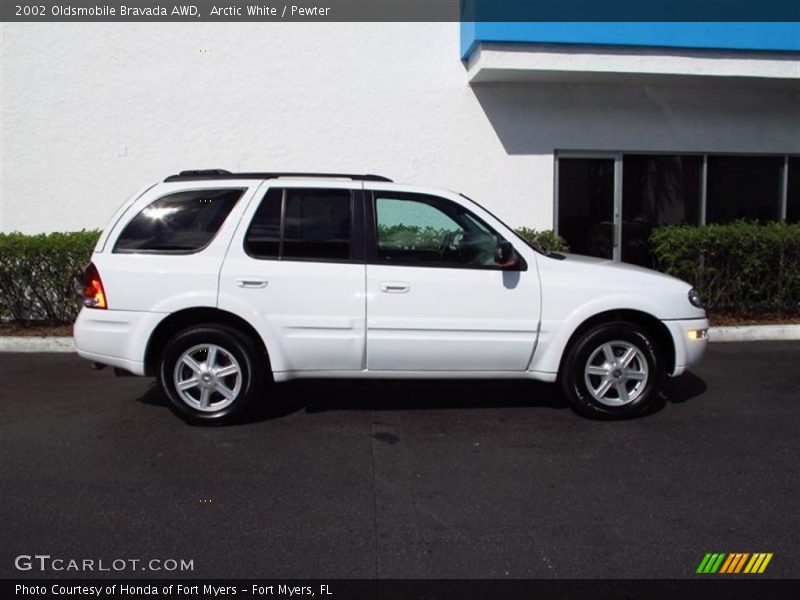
<point x="598" y="385"/>
<point x="216" y="396"/>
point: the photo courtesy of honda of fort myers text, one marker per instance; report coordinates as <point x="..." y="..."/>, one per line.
<point x="442" y="299"/>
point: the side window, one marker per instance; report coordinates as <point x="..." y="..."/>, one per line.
<point x="414" y="229"/>
<point x="182" y="222"/>
<point x="302" y="224"/>
<point x="409" y="225"/>
<point x="263" y="237"/>
<point x="317" y="224"/>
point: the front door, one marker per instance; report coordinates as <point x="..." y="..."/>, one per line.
<point x="436" y="300"/>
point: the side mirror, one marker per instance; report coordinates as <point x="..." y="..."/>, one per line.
<point x="505" y="256"/>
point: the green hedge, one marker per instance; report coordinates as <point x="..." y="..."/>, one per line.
<point x="37" y="274"/>
<point x="412" y="236"/>
<point x="743" y="268"/>
<point x="546" y="240"/>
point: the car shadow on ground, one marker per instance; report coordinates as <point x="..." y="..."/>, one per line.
<point x="678" y="390"/>
<point x="315" y="396"/>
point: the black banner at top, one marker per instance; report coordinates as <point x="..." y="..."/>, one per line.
<point x="403" y="10"/>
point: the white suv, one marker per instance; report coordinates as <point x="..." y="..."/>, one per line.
<point x="219" y="283"/>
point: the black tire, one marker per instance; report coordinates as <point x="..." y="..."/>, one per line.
<point x="233" y="349"/>
<point x="572" y="378"/>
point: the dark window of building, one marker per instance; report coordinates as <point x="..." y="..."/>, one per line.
<point x="264" y="234"/>
<point x="180" y="223"/>
<point x="743" y="187"/>
<point x="657" y="190"/>
<point x="586" y="205"/>
<point x="793" y="191"/>
<point x="316" y="225"/>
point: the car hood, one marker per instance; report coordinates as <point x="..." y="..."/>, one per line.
<point x="572" y="283"/>
<point x="612" y="273"/>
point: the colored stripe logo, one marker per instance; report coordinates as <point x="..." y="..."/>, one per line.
<point x="735" y="562"/>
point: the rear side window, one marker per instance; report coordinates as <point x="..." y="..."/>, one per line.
<point x="263" y="238"/>
<point x="302" y="224"/>
<point x="182" y="222"/>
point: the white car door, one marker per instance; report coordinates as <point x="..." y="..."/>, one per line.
<point x="294" y="271"/>
<point x="436" y="299"/>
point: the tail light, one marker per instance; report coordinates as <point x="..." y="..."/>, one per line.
<point x="94" y="296"/>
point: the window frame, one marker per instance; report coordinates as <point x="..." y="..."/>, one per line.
<point x="356" y="226"/>
<point x="117" y="250"/>
<point x="788" y="185"/>
<point x="619" y="155"/>
<point x="371" y="233"/>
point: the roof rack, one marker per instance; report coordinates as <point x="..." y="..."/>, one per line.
<point x="223" y="174"/>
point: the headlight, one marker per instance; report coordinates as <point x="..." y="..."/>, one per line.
<point x="694" y="298"/>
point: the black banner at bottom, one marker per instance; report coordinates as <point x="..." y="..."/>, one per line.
<point x="391" y="589"/>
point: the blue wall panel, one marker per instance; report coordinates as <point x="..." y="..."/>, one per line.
<point x="781" y="37"/>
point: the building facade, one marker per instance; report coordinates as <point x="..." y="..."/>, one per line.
<point x="599" y="130"/>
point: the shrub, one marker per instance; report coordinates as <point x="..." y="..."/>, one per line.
<point x="411" y="236"/>
<point x="546" y="240"/>
<point x="742" y="267"/>
<point x="37" y="274"/>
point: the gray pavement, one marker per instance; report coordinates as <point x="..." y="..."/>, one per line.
<point x="404" y="479"/>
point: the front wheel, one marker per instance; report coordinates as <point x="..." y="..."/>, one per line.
<point x="614" y="370"/>
<point x="209" y="374"/>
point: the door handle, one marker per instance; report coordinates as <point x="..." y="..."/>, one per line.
<point x="252" y="283"/>
<point x="395" y="287"/>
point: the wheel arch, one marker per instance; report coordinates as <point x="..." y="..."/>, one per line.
<point x="182" y="319"/>
<point x="654" y="326"/>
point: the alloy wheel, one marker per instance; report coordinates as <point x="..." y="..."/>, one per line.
<point x="207" y="377"/>
<point x="616" y="373"/>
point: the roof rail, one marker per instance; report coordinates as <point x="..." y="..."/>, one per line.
<point x="223" y="174"/>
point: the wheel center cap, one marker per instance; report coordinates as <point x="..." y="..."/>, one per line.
<point x="207" y="378"/>
<point x="616" y="374"/>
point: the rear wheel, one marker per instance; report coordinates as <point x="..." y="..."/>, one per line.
<point x="614" y="370"/>
<point x="210" y="374"/>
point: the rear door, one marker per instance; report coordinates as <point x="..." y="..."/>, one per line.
<point x="436" y="299"/>
<point x="295" y="270"/>
<point x="167" y="255"/>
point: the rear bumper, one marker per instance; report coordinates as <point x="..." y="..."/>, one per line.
<point x="115" y="337"/>
<point x="689" y="347"/>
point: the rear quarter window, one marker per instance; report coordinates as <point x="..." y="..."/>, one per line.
<point x="180" y="223"/>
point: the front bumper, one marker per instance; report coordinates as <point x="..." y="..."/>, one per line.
<point x="690" y="344"/>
